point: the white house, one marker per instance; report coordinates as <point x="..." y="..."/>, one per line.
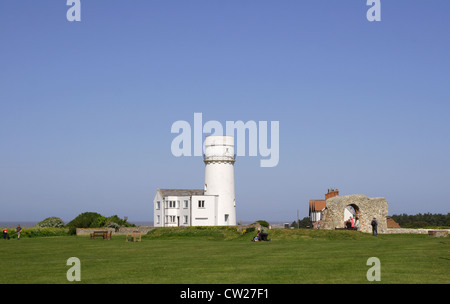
<point x="215" y="205"/>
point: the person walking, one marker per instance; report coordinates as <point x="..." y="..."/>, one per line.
<point x="374" y="224"/>
<point x="18" y="229"/>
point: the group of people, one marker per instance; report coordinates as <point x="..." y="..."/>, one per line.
<point x="6" y="236"/>
<point x="261" y="235"/>
<point x="351" y="224"/>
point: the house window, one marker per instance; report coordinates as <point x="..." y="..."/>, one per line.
<point x="186" y="204"/>
<point x="186" y="218"/>
<point x="201" y="204"/>
<point x="171" y="218"/>
<point x="157" y="219"/>
<point x="172" y="204"/>
<point x="158" y="205"/>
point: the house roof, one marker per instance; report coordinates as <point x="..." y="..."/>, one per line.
<point x="391" y="223"/>
<point x="181" y="192"/>
<point x="316" y="205"/>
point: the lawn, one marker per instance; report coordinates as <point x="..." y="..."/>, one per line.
<point x="168" y="256"/>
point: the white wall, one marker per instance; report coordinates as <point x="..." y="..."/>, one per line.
<point x="316" y="216"/>
<point x="174" y="214"/>
<point x="171" y="215"/>
<point x="158" y="211"/>
<point x="205" y="215"/>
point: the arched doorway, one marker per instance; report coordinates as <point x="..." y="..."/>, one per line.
<point x="351" y="211"/>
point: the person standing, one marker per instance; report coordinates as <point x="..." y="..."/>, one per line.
<point x="374" y="224"/>
<point x="18" y="229"/>
<point x="5" y="233"/>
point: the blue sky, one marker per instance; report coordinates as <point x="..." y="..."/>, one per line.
<point x="86" y="107"/>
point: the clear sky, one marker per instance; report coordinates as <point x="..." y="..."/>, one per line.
<point x="86" y="108"/>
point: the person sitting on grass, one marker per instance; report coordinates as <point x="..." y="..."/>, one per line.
<point x="264" y="233"/>
<point x="257" y="238"/>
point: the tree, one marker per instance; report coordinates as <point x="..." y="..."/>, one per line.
<point x="305" y="222"/>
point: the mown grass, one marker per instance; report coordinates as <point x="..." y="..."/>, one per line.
<point x="215" y="255"/>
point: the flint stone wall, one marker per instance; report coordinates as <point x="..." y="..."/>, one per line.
<point x="333" y="215"/>
<point x="430" y="232"/>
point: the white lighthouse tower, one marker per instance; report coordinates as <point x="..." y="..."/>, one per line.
<point x="219" y="161"/>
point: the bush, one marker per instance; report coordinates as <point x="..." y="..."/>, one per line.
<point x="262" y="223"/>
<point x="84" y="220"/>
<point x="52" y="222"/>
<point x="120" y="222"/>
<point x="96" y="220"/>
<point x="38" y="232"/>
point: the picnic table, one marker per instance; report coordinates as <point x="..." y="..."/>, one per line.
<point x="135" y="236"/>
<point x="104" y="234"/>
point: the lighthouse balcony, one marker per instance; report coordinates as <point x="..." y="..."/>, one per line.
<point x="217" y="158"/>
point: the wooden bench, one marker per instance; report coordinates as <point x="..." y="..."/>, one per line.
<point x="135" y="236"/>
<point x="104" y="234"/>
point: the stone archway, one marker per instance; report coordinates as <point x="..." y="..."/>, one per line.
<point x="365" y="209"/>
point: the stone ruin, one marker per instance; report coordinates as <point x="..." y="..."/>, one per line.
<point x="365" y="209"/>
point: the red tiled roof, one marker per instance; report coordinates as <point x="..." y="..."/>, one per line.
<point x="316" y="205"/>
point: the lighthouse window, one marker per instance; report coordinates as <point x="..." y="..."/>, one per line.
<point x="201" y="204"/>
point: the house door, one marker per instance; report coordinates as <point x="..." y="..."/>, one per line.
<point x="178" y="221"/>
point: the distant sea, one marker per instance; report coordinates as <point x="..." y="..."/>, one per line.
<point x="23" y="224"/>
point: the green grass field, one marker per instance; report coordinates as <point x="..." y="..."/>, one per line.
<point x="223" y="256"/>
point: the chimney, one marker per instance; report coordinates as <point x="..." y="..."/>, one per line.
<point x="331" y="193"/>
